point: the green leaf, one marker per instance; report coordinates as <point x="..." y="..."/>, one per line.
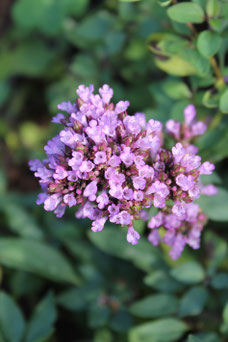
<point x="224" y="10"/>
<point x="217" y="140"/>
<point x="155" y="306"/>
<point x="161" y="281"/>
<point x="84" y="67"/>
<point x="208" y="43"/>
<point x="36" y="257"/>
<point x="103" y="335"/>
<point x="98" y="315"/>
<point x="162" y="330"/>
<point x="186" y="12"/>
<point x="215" y="207"/>
<point x="24" y="284"/>
<point x="189" y="273"/>
<point x="174" y="56"/>
<point x="193" y="302"/>
<point x="3" y="183"/>
<point x="57" y="92"/>
<point x="45" y="15"/>
<point x="176" y="89"/>
<point x="76" y="8"/>
<point x="121" y="321"/>
<point x="167" y="49"/>
<point x="164" y="3"/>
<point x="210" y="100"/>
<point x="201" y="3"/>
<point x="41" y="325"/>
<point x="12" y="323"/>
<point x="193" y="338"/>
<point x="199" y="62"/>
<point x="217" y="250"/>
<point x="220" y="281"/>
<point x="209" y="179"/>
<point x="20" y="221"/>
<point x="175" y="65"/>
<point x="208" y="337"/>
<point x="223" y="102"/>
<point x="212" y="8"/>
<point x="112" y="240"/>
<point x="225" y="313"/>
<point x="75" y="299"/>
<point x="224" y="326"/>
<point x="94" y="28"/>
<point x="30" y="58"/>
<point x="114" y="42"/>
<point x="4" y="92"/>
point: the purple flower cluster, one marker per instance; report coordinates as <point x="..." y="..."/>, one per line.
<point x="113" y="166"/>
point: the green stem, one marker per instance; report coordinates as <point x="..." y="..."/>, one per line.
<point x="217" y="71"/>
<point x="216" y="120"/>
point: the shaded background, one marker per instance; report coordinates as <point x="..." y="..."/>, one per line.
<point x="60" y="282"/>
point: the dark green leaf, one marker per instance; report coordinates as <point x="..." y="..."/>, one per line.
<point x="216" y="248"/>
<point x="209" y="179"/>
<point x="41" y="325"/>
<point x="208" y="337"/>
<point x="20" y="221"/>
<point x="31" y="256"/>
<point x="189" y="273"/>
<point x="114" y="42"/>
<point x="113" y="241"/>
<point x="193" y="338"/>
<point x="12" y="323"/>
<point x="215" y="207"/>
<point x="193" y="302"/>
<point x="46" y="16"/>
<point x="121" y="321"/>
<point x="99" y="315"/>
<point x="24" y="284"/>
<point x="103" y="335"/>
<point x="3" y="183"/>
<point x="220" y="281"/>
<point x="76" y="8"/>
<point x="76" y="299"/>
<point x="162" y="330"/>
<point x="155" y="306"/>
<point x="4" y="92"/>
<point x="95" y="27"/>
<point x="30" y="58"/>
<point x="161" y="281"/>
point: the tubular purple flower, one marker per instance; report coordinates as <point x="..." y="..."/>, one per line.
<point x="132" y="236"/>
<point x="113" y="167"/>
<point x="189" y="113"/>
<point x="173" y="128"/>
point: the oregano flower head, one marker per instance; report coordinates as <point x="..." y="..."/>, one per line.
<point x="113" y="167"/>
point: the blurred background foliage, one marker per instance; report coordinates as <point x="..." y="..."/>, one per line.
<point x="59" y="281"/>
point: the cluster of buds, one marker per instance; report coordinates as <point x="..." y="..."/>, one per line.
<point x="113" y="166"/>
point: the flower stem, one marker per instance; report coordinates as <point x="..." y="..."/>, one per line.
<point x="192" y="28"/>
<point x="217" y="71"/>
